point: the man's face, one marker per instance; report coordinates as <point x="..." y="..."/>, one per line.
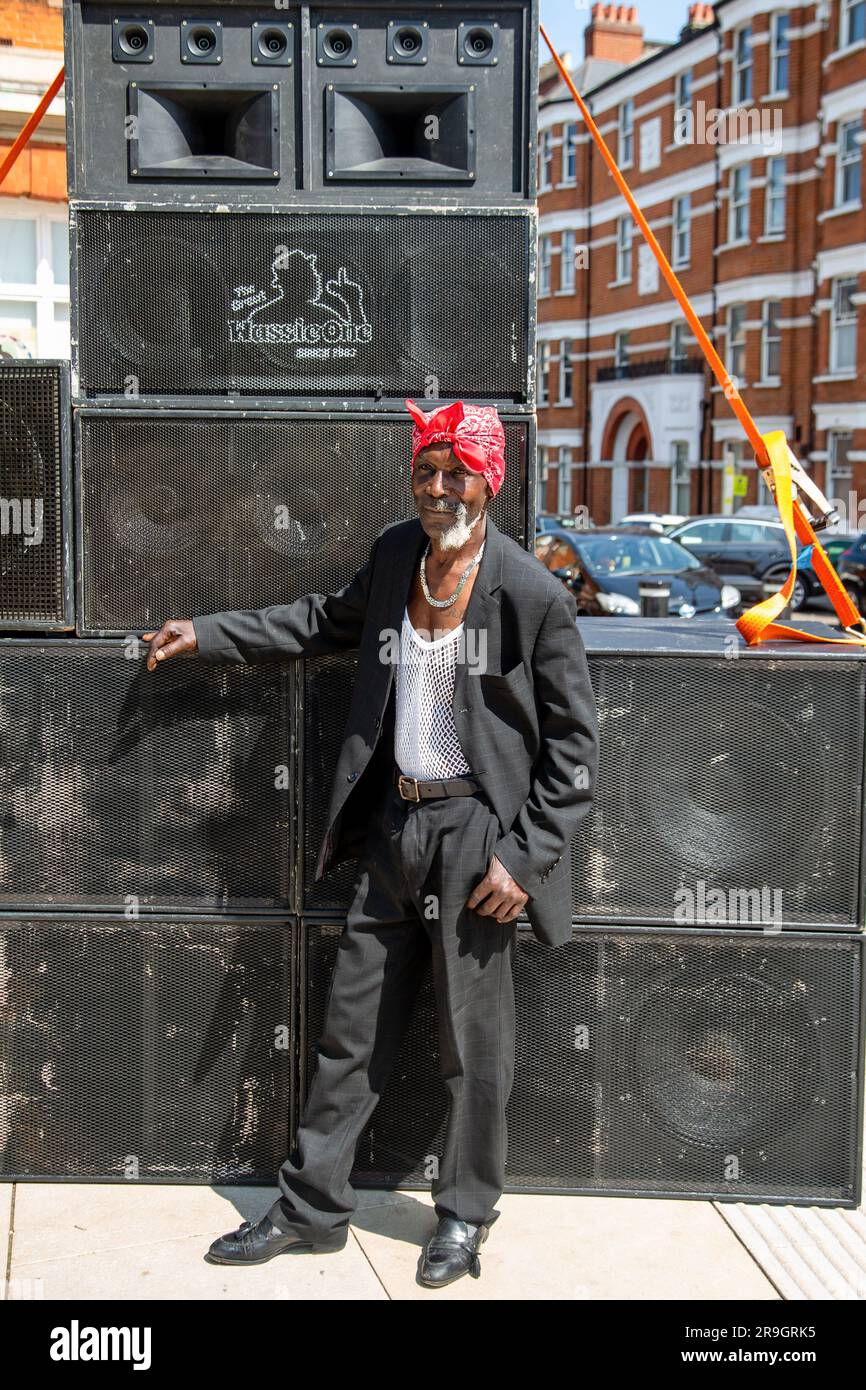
<point x="450" y="498"/>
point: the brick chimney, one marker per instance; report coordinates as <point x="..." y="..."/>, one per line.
<point x="614" y="33"/>
<point x="699" y="17"/>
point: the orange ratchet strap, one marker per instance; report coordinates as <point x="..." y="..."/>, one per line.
<point x="773" y="456"/>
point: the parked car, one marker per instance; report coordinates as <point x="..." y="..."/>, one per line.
<point x="603" y="569"/>
<point x="747" y="552"/>
<point x="665" y="522"/>
<point x="546" y="521"/>
<point x="850" y="565"/>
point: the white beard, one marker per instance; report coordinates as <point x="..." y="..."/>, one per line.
<point x="460" y="530"/>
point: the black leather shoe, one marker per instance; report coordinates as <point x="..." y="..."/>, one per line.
<point x="452" y="1252"/>
<point x="256" y="1244"/>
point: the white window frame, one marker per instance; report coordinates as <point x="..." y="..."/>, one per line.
<point x="780" y="52"/>
<point x="851" y="159"/>
<point x="771" y="336"/>
<point x="44" y="295"/>
<point x="741" y="205"/>
<point x="742" y="69"/>
<point x="775" y="195"/>
<point x="545" y="265"/>
<point x="564" y="502"/>
<point x="566" y="368"/>
<point x="681" y="477"/>
<point x="623" y="250"/>
<point x="678" y="330"/>
<point x="543" y="372"/>
<point x="835" y="473"/>
<point x="847" y="11"/>
<point x="545" y="160"/>
<point x="621" y="348"/>
<point x="569" y="153"/>
<point x="840" y="325"/>
<point x="543" y="474"/>
<point x="736" y="345"/>
<point x="568" y="262"/>
<point x="682" y="231"/>
<point x="683" y="97"/>
<point x="626" y="134"/>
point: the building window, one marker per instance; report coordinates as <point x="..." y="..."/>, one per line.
<point x="544" y="262"/>
<point x="737" y="340"/>
<point x="682" y="230"/>
<point x="681" y="487"/>
<point x="738" y="223"/>
<point x="543" y="373"/>
<point x="843" y="326"/>
<point x="771" y="341"/>
<point x="34" y="278"/>
<point x="623" y="249"/>
<point x="565" y="504"/>
<point x="678" y="345"/>
<point x="620" y="352"/>
<point x="546" y="159"/>
<point x="626" y="134"/>
<point x="566" y="372"/>
<point x="838" y="463"/>
<point x="569" y="152"/>
<point x="848" y="161"/>
<point x="543" y="467"/>
<point x="684" y="90"/>
<point x="853" y="22"/>
<point x="567" y="262"/>
<point x="780" y="51"/>
<point x="774" y="203"/>
<point x="743" y="65"/>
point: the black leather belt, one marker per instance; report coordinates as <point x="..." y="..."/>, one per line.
<point x="412" y="790"/>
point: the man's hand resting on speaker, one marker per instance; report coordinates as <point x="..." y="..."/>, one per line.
<point x="175" y="638"/>
<point x="504" y="897"/>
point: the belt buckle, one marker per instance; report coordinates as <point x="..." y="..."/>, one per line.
<point x="402" y="779"/>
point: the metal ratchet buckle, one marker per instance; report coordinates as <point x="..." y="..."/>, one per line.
<point x="401" y="780"/>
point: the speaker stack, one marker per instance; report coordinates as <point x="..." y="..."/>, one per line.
<point x="284" y="219"/>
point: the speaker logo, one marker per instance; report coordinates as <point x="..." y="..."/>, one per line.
<point x="319" y="318"/>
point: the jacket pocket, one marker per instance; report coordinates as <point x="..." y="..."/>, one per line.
<point x="515" y="681"/>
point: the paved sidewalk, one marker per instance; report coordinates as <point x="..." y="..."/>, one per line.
<point x="90" y="1241"/>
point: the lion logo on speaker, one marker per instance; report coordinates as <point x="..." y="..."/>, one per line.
<point x="319" y="318"/>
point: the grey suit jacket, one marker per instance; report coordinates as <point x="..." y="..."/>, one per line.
<point x="523" y="706"/>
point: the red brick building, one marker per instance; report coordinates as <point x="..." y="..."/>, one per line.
<point x="744" y="144"/>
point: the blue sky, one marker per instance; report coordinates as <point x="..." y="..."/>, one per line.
<point x="565" y="21"/>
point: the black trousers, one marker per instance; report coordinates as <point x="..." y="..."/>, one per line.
<point x="419" y="864"/>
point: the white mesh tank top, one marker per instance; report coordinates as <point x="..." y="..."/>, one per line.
<point x="426" y="745"/>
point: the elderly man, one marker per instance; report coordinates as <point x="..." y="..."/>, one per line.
<point x="468" y="761"/>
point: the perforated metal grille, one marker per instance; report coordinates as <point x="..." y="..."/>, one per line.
<point x="33" y="472"/>
<point x="144" y="1050"/>
<point x="729" y="776"/>
<point x="199" y="514"/>
<point x="303" y="304"/>
<point x="691" y="1063"/>
<point x="124" y="787"/>
<point x="715" y="777"/>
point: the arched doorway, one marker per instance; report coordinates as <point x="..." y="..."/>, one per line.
<point x="627" y="441"/>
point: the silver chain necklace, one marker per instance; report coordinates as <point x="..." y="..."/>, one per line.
<point x="446" y="602"/>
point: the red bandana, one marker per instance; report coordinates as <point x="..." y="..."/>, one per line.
<point x="474" y="431"/>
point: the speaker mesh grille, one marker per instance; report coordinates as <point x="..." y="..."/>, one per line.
<point x="738" y="775"/>
<point x="32" y="480"/>
<point x="144" y="1051"/>
<point x="124" y="787"/>
<point x="664" y="1063"/>
<point x="222" y="513"/>
<point x="303" y="304"/>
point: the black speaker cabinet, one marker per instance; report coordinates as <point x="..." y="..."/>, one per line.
<point x="185" y="513"/>
<point x="317" y="306"/>
<point x="158" y="1051"/>
<point x="36" y="550"/>
<point x="358" y="102"/>
<point x="131" y="790"/>
<point x="660" y="1063"/>
<point x="730" y="787"/>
